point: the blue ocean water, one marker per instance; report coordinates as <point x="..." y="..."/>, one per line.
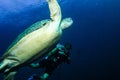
<point x="95" y="36"/>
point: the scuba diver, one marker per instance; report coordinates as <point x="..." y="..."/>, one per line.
<point x="60" y="54"/>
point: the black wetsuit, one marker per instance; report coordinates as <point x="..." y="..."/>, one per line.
<point x="52" y="62"/>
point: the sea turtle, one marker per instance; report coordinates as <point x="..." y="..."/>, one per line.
<point x="35" y="41"/>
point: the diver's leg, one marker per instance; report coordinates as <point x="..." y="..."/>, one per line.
<point x="55" y="11"/>
<point x="37" y="77"/>
<point x="44" y="76"/>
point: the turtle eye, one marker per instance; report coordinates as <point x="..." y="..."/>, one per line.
<point x="44" y="24"/>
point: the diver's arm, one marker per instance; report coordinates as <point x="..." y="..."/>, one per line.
<point x="55" y="11"/>
<point x="52" y="52"/>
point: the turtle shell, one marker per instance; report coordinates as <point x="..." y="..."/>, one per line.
<point x="30" y="29"/>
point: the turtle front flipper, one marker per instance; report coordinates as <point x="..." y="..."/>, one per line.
<point x="55" y="10"/>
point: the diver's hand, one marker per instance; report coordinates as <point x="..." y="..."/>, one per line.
<point x="34" y="65"/>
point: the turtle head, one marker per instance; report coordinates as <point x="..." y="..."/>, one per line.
<point x="65" y="23"/>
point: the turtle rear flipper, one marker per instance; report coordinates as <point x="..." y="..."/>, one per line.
<point x="9" y="75"/>
<point x="8" y="71"/>
<point x="3" y="65"/>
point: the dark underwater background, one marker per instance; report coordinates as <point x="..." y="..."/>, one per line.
<point x="95" y="36"/>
